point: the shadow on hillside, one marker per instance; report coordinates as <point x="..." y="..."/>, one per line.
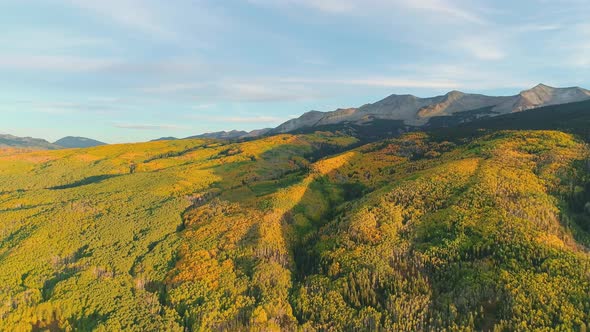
<point x="573" y="118"/>
<point x="258" y="186"/>
<point x="85" y="181"/>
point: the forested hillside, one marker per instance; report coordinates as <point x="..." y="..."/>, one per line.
<point x="310" y="232"/>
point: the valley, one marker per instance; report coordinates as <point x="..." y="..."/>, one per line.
<point x="472" y="229"/>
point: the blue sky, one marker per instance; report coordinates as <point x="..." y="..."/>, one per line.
<point x="133" y="70"/>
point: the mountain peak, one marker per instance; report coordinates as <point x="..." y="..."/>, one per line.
<point x="404" y="96"/>
<point x="540" y="89"/>
<point x="454" y="94"/>
<point x="542" y="86"/>
<point x="544" y="95"/>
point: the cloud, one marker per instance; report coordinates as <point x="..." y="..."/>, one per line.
<point x="135" y="126"/>
<point x="442" y="7"/>
<point x="90" y="105"/>
<point x="328" y="6"/>
<point x="257" y="92"/>
<point x="538" y="27"/>
<point x="581" y="58"/>
<point x="481" y="47"/>
<point x="240" y="119"/>
<point x="581" y="50"/>
<point x="35" y="40"/>
<point x="468" y="76"/>
<point x="234" y="90"/>
<point x="135" y="14"/>
<point x="54" y="63"/>
<point x="332" y="6"/>
<point x="173" y="87"/>
<point x="571" y="47"/>
<point x="69" y="107"/>
<point x="356" y="7"/>
<point x="383" y="82"/>
<point x="203" y="106"/>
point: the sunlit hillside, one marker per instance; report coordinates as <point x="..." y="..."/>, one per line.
<point x="85" y="244"/>
<point x="298" y="232"/>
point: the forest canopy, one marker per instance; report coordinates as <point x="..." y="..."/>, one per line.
<point x="310" y="232"/>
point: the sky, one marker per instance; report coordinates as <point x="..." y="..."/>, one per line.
<point x="135" y="70"/>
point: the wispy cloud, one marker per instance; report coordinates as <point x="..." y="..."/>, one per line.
<point x="581" y="50"/>
<point x="328" y="6"/>
<point x="240" y="119"/>
<point x="539" y="27"/>
<point x="481" y="47"/>
<point x="34" y="41"/>
<point x="468" y="76"/>
<point x="203" y="106"/>
<point x="260" y="92"/>
<point x="135" y="126"/>
<point x="173" y="87"/>
<point x="383" y="82"/>
<point x="235" y="90"/>
<point x="572" y="47"/>
<point x="443" y="8"/>
<point x="54" y="63"/>
<point x="70" y="107"/>
<point x="135" y="14"/>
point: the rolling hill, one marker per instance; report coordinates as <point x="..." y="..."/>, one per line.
<point x="10" y="141"/>
<point x="478" y="226"/>
<point x="77" y="142"/>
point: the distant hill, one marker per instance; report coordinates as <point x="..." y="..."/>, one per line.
<point x="26" y="142"/>
<point x="233" y="134"/>
<point x="169" y="138"/>
<point x="222" y="134"/>
<point x="78" y="142"/>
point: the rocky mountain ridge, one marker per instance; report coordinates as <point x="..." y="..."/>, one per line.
<point x="416" y="111"/>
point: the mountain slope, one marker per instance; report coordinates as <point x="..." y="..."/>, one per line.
<point x="572" y="118"/>
<point x="77" y="142"/>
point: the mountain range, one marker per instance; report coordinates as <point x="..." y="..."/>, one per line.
<point x="415" y="111"/>
<point x="388" y="117"/>
<point x="25" y="142"/>
<point x="397" y="113"/>
<point x="68" y="142"/>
